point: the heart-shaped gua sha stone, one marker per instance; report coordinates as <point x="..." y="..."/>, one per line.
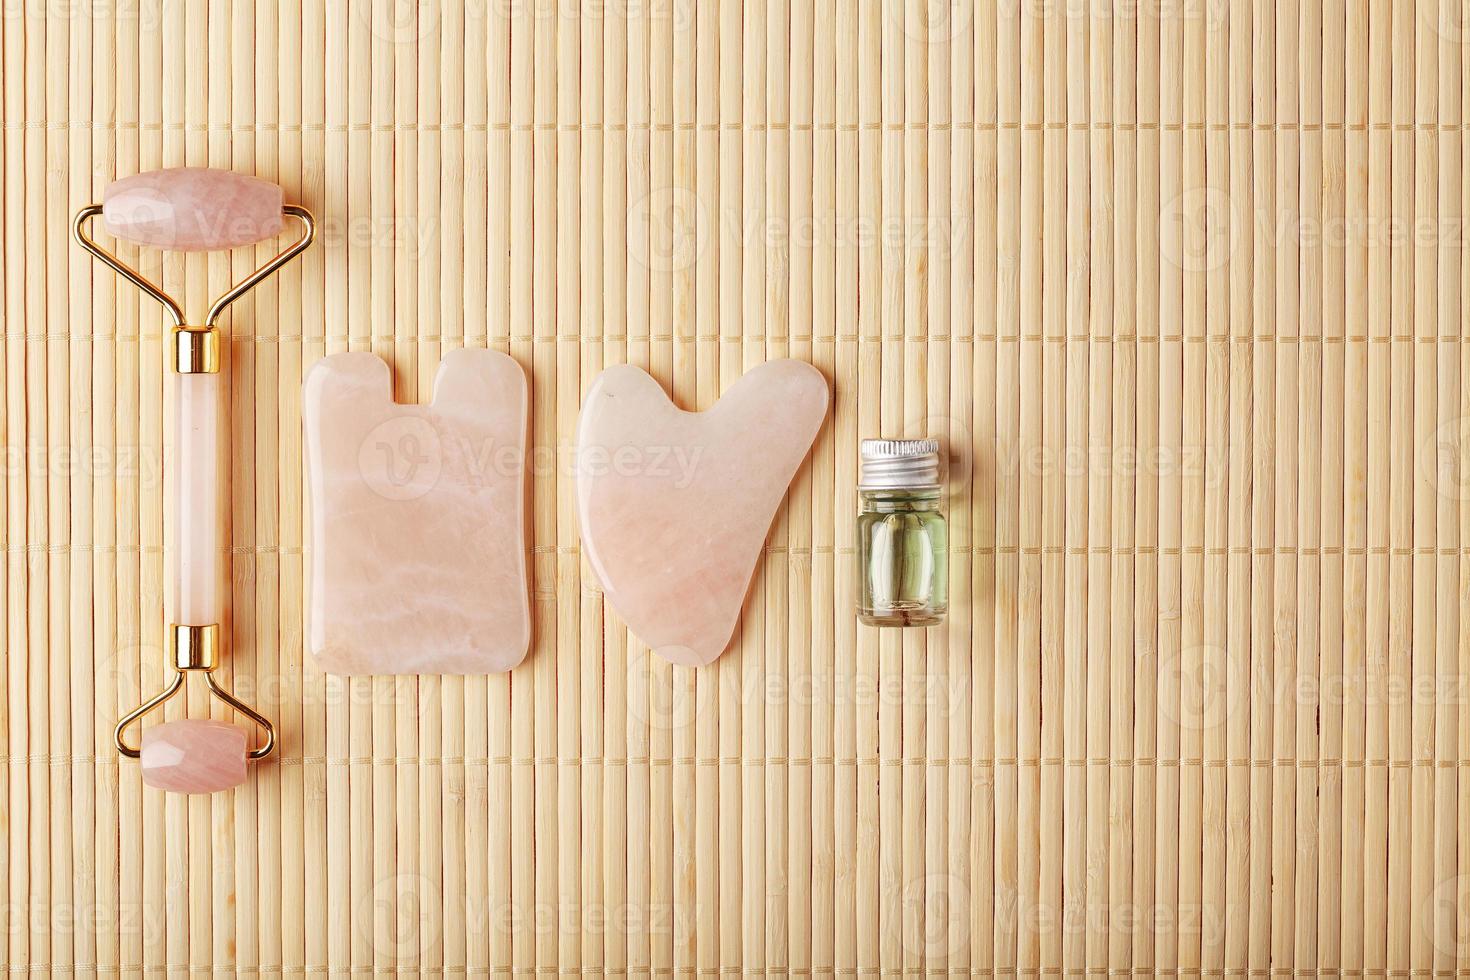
<point x="418" y="538"/>
<point x="676" y="505"/>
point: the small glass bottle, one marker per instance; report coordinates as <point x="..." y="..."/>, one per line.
<point x="903" y="541"/>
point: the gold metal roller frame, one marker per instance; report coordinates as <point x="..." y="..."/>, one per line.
<point x="195" y="349"/>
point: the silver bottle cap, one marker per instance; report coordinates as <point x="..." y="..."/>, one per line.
<point x="897" y="464"/>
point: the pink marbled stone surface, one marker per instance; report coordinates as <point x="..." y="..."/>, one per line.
<point x="192" y="209"/>
<point x="193" y="755"/>
<point x="198" y="534"/>
<point x="676" y="505"/>
<point x="418" y="517"/>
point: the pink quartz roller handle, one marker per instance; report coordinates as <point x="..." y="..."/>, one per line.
<point x="193" y="756"/>
<point x="196" y="586"/>
<point x="192" y="209"/>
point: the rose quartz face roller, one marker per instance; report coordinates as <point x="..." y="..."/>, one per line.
<point x="195" y="209"/>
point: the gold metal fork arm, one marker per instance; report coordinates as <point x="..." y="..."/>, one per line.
<point x="79" y="232"/>
<point x="308" y="233"/>
<point x="260" y="751"/>
<point x="195" y="651"/>
<point x="139" y="712"/>
<point x="174" y="686"/>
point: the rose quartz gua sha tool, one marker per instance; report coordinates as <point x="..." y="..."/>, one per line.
<point x="192" y="210"/>
<point x="418" y="517"/>
<point x="675" y="505"/>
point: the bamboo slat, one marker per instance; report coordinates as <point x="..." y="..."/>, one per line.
<point x="1182" y="286"/>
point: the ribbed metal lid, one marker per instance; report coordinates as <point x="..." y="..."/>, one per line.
<point x="892" y="464"/>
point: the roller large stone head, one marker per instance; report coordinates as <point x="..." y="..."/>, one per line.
<point x="193" y="209"/>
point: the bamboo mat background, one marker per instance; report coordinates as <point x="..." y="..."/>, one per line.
<point x="1182" y="283"/>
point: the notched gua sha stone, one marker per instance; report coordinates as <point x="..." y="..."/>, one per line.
<point x="192" y="209"/>
<point x="418" y="523"/>
<point x="675" y="506"/>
